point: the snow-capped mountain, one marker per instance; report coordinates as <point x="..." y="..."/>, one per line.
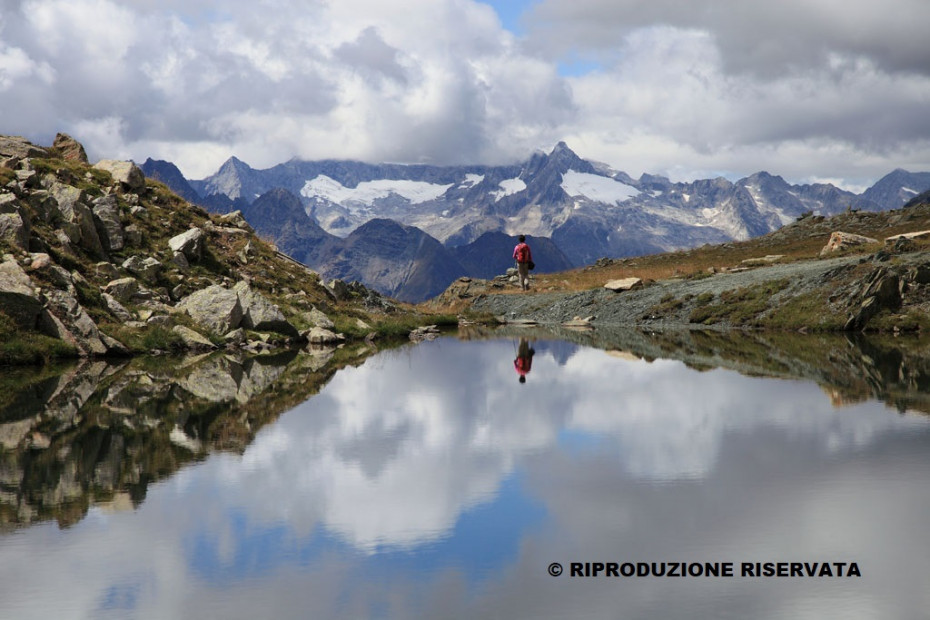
<point x="586" y="208"/>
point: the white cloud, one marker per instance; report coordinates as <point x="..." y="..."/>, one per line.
<point x="680" y="89"/>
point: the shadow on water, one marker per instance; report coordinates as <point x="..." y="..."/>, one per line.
<point x="99" y="433"/>
<point x="95" y="432"/>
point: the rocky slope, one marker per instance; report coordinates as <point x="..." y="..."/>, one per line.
<point x="98" y="260"/>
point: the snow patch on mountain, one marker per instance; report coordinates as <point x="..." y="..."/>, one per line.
<point x="471" y="180"/>
<point x="596" y="187"/>
<point x="368" y="192"/>
<point x="508" y="188"/>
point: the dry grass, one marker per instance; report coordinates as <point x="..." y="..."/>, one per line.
<point x="802" y="241"/>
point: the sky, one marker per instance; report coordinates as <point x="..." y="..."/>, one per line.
<point x="813" y="90"/>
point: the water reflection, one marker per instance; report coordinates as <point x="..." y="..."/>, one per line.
<point x="426" y="482"/>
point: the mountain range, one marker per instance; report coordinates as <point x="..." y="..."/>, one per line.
<point x="409" y="230"/>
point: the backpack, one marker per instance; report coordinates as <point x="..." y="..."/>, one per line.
<point x="523" y="251"/>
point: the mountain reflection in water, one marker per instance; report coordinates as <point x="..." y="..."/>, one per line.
<point x="427" y="481"/>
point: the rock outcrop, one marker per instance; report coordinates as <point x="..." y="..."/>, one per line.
<point x="107" y="264"/>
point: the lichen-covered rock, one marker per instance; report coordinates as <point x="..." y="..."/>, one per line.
<point x="125" y="173"/>
<point x="116" y="308"/>
<point x="146" y="268"/>
<point x="81" y="328"/>
<point x="318" y="335"/>
<point x="260" y="314"/>
<point x="215" y="307"/>
<point x="189" y="243"/>
<point x="122" y="289"/>
<point x="19" y="147"/>
<point x="106" y="219"/>
<point x="317" y="318"/>
<point x="14" y="231"/>
<point x="842" y="240"/>
<point x="192" y="339"/>
<point x="18" y="298"/>
<point x="236" y="219"/>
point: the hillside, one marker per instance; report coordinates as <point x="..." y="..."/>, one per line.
<point x="783" y="280"/>
<point x="98" y="260"/>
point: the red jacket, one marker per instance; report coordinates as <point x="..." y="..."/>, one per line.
<point x="522" y="253"/>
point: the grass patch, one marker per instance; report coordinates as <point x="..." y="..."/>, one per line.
<point x="810" y="310"/>
<point x="740" y="307"/>
<point x="21" y="347"/>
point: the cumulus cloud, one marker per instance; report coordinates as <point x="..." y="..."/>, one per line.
<point x="682" y="89"/>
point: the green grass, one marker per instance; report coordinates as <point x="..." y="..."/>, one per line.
<point x="740" y="307"/>
<point x="21" y="347"/>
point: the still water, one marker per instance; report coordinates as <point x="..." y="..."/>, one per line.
<point x="429" y="482"/>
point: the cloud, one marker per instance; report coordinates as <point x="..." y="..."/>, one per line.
<point x="682" y="89"/>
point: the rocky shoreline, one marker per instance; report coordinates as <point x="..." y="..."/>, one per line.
<point x="887" y="291"/>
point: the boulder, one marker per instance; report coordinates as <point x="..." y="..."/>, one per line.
<point x="146" y="268"/>
<point x="192" y="339"/>
<point x="625" y="284"/>
<point x="237" y="220"/>
<point x="107" y="222"/>
<point x="215" y="307"/>
<point x="18" y="298"/>
<point x="69" y="148"/>
<point x="82" y="331"/>
<point x="260" y="314"/>
<point x="14" y="231"/>
<point x="843" y="240"/>
<point x="920" y="234"/>
<point x="339" y="289"/>
<point x="316" y="318"/>
<point x="318" y="335"/>
<point x="189" y="243"/>
<point x="122" y="289"/>
<point x="116" y="308"/>
<point x="126" y="173"/>
<point x="106" y="270"/>
<point x="17" y="146"/>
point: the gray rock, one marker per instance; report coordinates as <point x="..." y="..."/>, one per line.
<point x="146" y="268"/>
<point x="106" y="270"/>
<point x="17" y="146"/>
<point x="318" y="335"/>
<point x="260" y="314"/>
<point x="339" y="289"/>
<point x="123" y="289"/>
<point x="116" y="308"/>
<point x="189" y="243"/>
<point x="180" y="261"/>
<point x="236" y="337"/>
<point x="83" y="331"/>
<point x="132" y="236"/>
<point x="625" y="284"/>
<point x="215" y="307"/>
<point x="191" y="338"/>
<point x="106" y="219"/>
<point x="236" y="219"/>
<point x="125" y="173"/>
<point x="18" y="299"/>
<point x="14" y="231"/>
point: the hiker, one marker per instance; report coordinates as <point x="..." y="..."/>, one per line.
<point x="524" y="360"/>
<point x="524" y="258"/>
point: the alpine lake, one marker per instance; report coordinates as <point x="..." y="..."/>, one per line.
<point x="684" y="474"/>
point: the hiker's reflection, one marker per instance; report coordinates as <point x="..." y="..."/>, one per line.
<point x="524" y="360"/>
